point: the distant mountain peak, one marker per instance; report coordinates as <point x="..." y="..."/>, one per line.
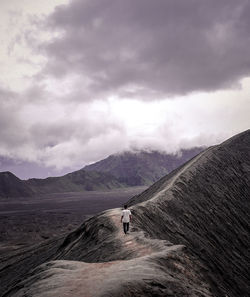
<point x="7" y="173"/>
<point x="12" y="186"/>
<point x="142" y="167"/>
<point x="125" y="169"/>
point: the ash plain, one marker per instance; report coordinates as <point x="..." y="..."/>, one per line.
<point x="28" y="221"/>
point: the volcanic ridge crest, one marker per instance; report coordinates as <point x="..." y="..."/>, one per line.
<point x="190" y="236"/>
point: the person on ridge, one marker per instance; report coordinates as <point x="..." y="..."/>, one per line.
<point x="126" y="218"/>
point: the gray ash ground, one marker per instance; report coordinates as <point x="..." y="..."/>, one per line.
<point x="190" y="236"/>
<point x="25" y="222"/>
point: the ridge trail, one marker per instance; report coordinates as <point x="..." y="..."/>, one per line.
<point x="172" y="181"/>
<point x="130" y="241"/>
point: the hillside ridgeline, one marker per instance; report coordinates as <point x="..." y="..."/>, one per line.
<point x="117" y="171"/>
<point x="190" y="236"/>
<point x="142" y="168"/>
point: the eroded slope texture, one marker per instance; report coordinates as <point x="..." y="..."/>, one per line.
<point x="190" y="237"/>
<point x="207" y="208"/>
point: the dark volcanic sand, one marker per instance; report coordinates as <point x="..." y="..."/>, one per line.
<point x="24" y="222"/>
<point x="190" y="236"/>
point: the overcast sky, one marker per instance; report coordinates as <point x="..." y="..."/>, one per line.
<point x="83" y="79"/>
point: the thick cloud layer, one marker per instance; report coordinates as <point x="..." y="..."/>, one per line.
<point x="150" y="49"/>
<point x="69" y="135"/>
<point x="98" y="77"/>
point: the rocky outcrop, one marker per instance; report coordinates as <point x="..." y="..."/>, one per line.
<point x="190" y="237"/>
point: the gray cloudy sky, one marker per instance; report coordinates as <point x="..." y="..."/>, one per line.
<point x="83" y="79"/>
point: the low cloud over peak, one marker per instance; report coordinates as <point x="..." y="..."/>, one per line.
<point x="93" y="78"/>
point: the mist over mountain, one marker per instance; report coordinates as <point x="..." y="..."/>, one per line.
<point x="142" y="167"/>
<point x="117" y="171"/>
<point x="190" y="236"/>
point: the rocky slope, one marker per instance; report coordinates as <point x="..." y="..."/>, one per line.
<point x="190" y="237"/>
<point x="142" y="167"/>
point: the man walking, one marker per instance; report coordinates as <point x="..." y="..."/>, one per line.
<point x="126" y="218"/>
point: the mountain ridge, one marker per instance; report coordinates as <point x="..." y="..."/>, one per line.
<point x="79" y="180"/>
<point x="12" y="186"/>
<point x="116" y="171"/>
<point x="190" y="236"/>
<point x="142" y="167"/>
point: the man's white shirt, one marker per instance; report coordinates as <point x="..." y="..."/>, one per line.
<point x="125" y="215"/>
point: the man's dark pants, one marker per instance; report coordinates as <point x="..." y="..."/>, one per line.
<point x="125" y="227"/>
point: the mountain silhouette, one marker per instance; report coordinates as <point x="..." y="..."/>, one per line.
<point x="12" y="186"/>
<point x="116" y="171"/>
<point x="76" y="181"/>
<point x="141" y="168"/>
